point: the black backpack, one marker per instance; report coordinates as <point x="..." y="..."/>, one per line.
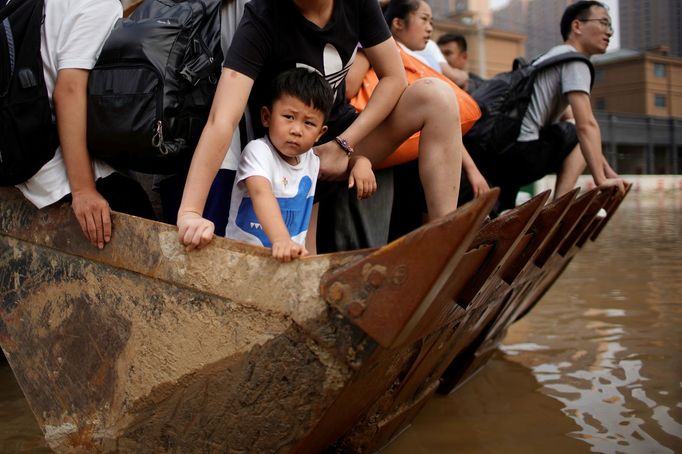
<point x="151" y="89"/>
<point x="28" y="134"/>
<point x="504" y="100"/>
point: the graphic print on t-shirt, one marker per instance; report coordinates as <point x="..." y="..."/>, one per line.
<point x="295" y="212"/>
<point x="334" y="69"/>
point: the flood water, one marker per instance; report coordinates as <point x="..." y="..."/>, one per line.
<point x="595" y="367"/>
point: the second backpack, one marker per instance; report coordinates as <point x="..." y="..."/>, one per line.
<point x="28" y="134"/>
<point x="151" y="90"/>
<point x="504" y="100"/>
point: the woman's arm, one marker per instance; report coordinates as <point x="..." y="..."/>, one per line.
<point x="228" y="106"/>
<point x="385" y="60"/>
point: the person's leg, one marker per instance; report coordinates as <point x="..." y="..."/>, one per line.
<point x="567" y="176"/>
<point x="507" y="199"/>
<point x="409" y="207"/>
<point x="311" y="236"/>
<point x="431" y="106"/>
<point x="561" y="139"/>
<point x="343" y="221"/>
<point x="346" y="223"/>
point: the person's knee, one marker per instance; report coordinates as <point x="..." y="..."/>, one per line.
<point x="437" y="96"/>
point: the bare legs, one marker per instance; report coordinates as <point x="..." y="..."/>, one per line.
<point x="570" y="170"/>
<point x="431" y="106"/>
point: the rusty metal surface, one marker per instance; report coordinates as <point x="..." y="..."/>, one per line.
<point x="521" y="274"/>
<point x="558" y="224"/>
<point x="566" y="225"/>
<point x="172" y="350"/>
<point x="488" y="251"/>
<point x="588" y="217"/>
<point x="544" y="226"/>
<point x="411" y="270"/>
<point x="610" y="209"/>
<point x="142" y="347"/>
<point x="504" y="232"/>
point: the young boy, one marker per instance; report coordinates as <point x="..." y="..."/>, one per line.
<point x="272" y="197"/>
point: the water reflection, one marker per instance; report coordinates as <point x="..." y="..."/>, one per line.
<point x="595" y="367"/>
<point x="19" y="433"/>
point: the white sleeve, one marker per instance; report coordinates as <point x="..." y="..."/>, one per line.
<point x="434" y="50"/>
<point x="255" y="160"/>
<point x="83" y="31"/>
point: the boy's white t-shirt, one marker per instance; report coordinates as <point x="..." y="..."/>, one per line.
<point x="292" y="185"/>
<point x="72" y="35"/>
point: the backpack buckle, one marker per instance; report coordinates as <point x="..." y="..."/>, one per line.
<point x="26" y="78"/>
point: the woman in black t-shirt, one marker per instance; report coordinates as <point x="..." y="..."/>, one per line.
<point x="275" y="35"/>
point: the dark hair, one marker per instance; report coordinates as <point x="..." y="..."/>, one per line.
<point x="452" y="38"/>
<point x="400" y="9"/>
<point x="305" y="84"/>
<point x="578" y="10"/>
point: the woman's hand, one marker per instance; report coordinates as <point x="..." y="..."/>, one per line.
<point x="333" y="161"/>
<point x="194" y="232"/>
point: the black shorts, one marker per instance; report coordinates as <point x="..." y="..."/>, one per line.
<point x="527" y="162"/>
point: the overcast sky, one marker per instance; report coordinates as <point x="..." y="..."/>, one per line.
<point x="613" y="10"/>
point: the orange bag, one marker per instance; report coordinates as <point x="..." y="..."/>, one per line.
<point x="469" y="112"/>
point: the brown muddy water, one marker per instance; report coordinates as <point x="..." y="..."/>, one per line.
<point x="595" y="367"/>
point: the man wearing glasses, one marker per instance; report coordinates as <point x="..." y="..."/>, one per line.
<point x="559" y="133"/>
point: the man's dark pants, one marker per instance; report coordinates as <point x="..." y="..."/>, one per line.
<point x="525" y="162"/>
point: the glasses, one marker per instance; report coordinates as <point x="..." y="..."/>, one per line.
<point x="605" y="23"/>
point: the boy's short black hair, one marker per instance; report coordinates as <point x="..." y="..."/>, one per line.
<point x="578" y="10"/>
<point x="307" y="85"/>
<point x="453" y="38"/>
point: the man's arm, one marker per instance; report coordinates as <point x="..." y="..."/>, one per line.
<point x="90" y="208"/>
<point x="589" y="137"/>
<point x="270" y="217"/>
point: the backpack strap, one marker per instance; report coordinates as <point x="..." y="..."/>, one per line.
<point x="565" y="58"/>
<point x="9" y="8"/>
<point x="519" y="62"/>
<point x="31" y="22"/>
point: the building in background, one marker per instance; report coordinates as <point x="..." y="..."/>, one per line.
<point x="649" y="24"/>
<point x="638" y="82"/>
<point x="637" y="97"/>
<point x="490" y="50"/>
<point x="637" y="94"/>
<point x="539" y="19"/>
<point x="449" y="8"/>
